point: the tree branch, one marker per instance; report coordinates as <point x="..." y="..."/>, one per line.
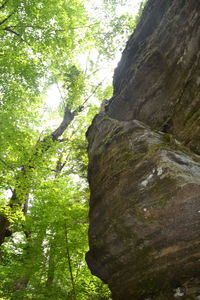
<point x="53" y="30"/>
<point x="82" y="107"/>
<point x="9" y="29"/>
<point x="4" y="4"/>
<point x="21" y="192"/>
<point x="69" y="260"/>
<point x="8" y="17"/>
<point x="67" y="119"/>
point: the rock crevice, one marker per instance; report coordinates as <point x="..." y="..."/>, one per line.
<point x="144" y="164"/>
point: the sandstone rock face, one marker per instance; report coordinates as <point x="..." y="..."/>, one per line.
<point x="158" y="78"/>
<point x="144" y="163"/>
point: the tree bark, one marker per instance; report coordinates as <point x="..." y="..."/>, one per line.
<point x="20" y="193"/>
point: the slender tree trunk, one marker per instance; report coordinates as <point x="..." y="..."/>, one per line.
<point x="21" y="192"/>
<point x="4" y="228"/>
<point x="70" y="263"/>
<point x="51" y="265"/>
<point x="30" y="257"/>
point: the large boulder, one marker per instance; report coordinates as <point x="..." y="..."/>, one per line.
<point x="144" y="163"/>
<point x="144" y="210"/>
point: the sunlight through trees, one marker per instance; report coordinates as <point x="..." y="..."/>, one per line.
<point x="67" y="48"/>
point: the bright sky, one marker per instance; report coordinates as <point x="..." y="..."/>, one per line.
<point x="53" y="97"/>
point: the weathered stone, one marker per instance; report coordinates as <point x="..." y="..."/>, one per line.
<point x="144" y="174"/>
<point x="158" y="80"/>
<point x="144" y="209"/>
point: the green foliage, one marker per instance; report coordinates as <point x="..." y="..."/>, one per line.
<point x="43" y="187"/>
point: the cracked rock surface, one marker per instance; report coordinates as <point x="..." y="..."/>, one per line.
<point x="144" y="163"/>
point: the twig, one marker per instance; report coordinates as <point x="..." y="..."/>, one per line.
<point x="8" y="17"/>
<point x="4" y="4"/>
<point x="52" y="30"/>
<point x="69" y="261"/>
<point x="82" y="107"/>
<point x="59" y="90"/>
<point x="17" y="34"/>
<point x="87" y="61"/>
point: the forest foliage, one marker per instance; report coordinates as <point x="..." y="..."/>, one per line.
<point x="43" y="161"/>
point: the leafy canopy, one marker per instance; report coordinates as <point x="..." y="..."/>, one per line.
<point x="43" y="188"/>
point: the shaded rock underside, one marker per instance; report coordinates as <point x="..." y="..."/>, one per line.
<point x="144" y="166"/>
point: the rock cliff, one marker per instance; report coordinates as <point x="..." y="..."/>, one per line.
<point x="144" y="163"/>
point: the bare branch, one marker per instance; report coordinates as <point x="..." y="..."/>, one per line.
<point x="60" y="165"/>
<point x="69" y="261"/>
<point x="61" y="95"/>
<point x="54" y="30"/>
<point x="8" y="17"/>
<point x="85" y="26"/>
<point x="94" y="72"/>
<point x="9" y="29"/>
<point x="87" y="62"/>
<point x="82" y="107"/>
